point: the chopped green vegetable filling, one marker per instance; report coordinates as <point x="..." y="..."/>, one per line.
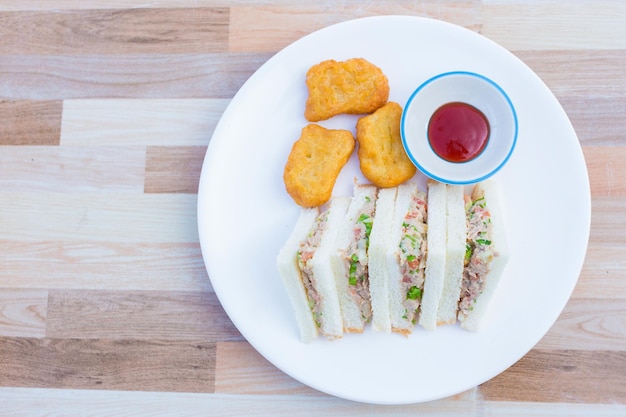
<point x="354" y="261"/>
<point x="483" y="241"/>
<point x="480" y="202"/>
<point x="414" y="293"/>
<point x="367" y="221"/>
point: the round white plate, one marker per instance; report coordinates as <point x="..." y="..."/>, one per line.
<point x="245" y="215"/>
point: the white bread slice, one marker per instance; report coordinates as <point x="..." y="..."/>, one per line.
<point x="289" y="271"/>
<point x="455" y="254"/>
<point x="436" y="256"/>
<point x="353" y="320"/>
<point x="326" y="286"/>
<point x="399" y="321"/>
<point x="378" y="271"/>
<point x="489" y="190"/>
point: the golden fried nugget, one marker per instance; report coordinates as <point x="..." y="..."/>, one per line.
<point x="354" y="86"/>
<point x="314" y="163"/>
<point x="382" y="157"/>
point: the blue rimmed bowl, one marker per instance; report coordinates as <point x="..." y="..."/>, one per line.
<point x="472" y="89"/>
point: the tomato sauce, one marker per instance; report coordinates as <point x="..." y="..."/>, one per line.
<point x="458" y="132"/>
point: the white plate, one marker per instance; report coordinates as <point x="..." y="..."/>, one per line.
<point x="245" y="215"/>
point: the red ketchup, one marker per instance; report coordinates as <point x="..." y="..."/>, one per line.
<point x="458" y="132"/>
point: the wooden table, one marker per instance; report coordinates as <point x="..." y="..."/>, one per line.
<point x="106" y="111"/>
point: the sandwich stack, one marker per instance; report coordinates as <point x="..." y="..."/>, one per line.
<point x="395" y="258"/>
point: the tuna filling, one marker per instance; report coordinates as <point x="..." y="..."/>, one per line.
<point x="411" y="256"/>
<point x="357" y="260"/>
<point x="478" y="254"/>
<point x="305" y="254"/>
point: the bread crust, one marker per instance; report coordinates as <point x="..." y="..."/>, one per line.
<point x="314" y="163"/>
<point x="382" y="157"/>
<point x="355" y="86"/>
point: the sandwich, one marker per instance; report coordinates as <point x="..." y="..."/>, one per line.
<point x="456" y="232"/>
<point x="305" y="269"/>
<point x="378" y="271"/>
<point x="486" y="254"/>
<point x="436" y="256"/>
<point x="350" y="261"/>
<point x="395" y="257"/>
<point x="407" y="256"/>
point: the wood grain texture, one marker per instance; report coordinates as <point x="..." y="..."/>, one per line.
<point x="30" y="122"/>
<point x="543" y="409"/>
<point x="567" y="72"/>
<point x="562" y="376"/>
<point x="172" y="169"/>
<point x="115" y="31"/>
<point x="146" y="76"/>
<point x="273" y="27"/>
<point x="135" y="122"/>
<point x="23" y="312"/>
<point x="589" y="324"/>
<point x="100" y="217"/>
<point x="102" y="403"/>
<point x="29" y="401"/>
<point x="517" y="26"/>
<point x="242" y="370"/>
<point x="593" y="119"/>
<point x="103" y="265"/>
<point x="119" y="364"/>
<point x="607" y="221"/>
<point x="604" y="264"/>
<point x="607" y="171"/>
<point x="106" y="110"/>
<point x="76" y="170"/>
<point x="147" y="315"/>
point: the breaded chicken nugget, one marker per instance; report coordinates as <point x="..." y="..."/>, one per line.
<point x="354" y="86"/>
<point x="314" y="163"/>
<point x="382" y="157"/>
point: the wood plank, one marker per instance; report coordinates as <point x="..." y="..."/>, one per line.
<point x="607" y="171"/>
<point x="107" y="403"/>
<point x="240" y="369"/>
<point x="542" y="409"/>
<point x="72" y="169"/>
<point x="607" y="221"/>
<point x="23" y="312"/>
<point x="30" y="122"/>
<point x="145" y="76"/>
<point x="272" y="27"/>
<point x="154" y="122"/>
<point x="594" y="118"/>
<point x="567" y="72"/>
<point x="107" y="364"/>
<point x="173" y="169"/>
<point x="589" y="324"/>
<point x="114" y="31"/>
<point x="136" y="403"/>
<point x="541" y="26"/>
<point x="602" y="275"/>
<point x="138" y="315"/>
<point x="103" y="265"/>
<point x="562" y="376"/>
<point x="99" y="217"/>
<point x="37" y="5"/>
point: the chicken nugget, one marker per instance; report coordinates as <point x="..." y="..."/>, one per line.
<point x="314" y="163"/>
<point x="382" y="157"/>
<point x="354" y="86"/>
